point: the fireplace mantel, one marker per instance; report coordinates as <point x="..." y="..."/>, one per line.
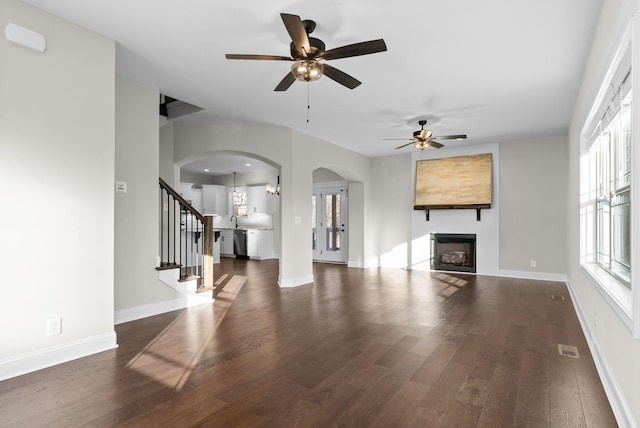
<point x="477" y="207"/>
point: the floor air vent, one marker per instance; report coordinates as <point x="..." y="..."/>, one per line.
<point x="568" y="351"/>
<point x="556" y="297"/>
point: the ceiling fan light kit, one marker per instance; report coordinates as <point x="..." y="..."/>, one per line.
<point x="308" y="52"/>
<point x="424" y="139"/>
<point x="307" y="70"/>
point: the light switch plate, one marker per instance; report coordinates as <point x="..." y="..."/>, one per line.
<point x="121" y="186"/>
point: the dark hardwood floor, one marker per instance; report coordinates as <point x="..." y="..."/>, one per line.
<point x="358" y="348"/>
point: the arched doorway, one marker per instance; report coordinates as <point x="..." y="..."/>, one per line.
<point x="217" y="179"/>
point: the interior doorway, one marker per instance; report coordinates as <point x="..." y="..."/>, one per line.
<point x="329" y="222"/>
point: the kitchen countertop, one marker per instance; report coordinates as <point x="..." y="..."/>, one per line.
<point x="242" y="228"/>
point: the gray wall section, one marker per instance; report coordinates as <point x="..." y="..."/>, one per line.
<point x="533" y="197"/>
<point x="137" y="215"/>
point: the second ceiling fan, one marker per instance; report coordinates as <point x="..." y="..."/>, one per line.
<point x="309" y="55"/>
<point x="424" y="139"/>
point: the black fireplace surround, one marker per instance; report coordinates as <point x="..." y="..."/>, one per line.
<point x="453" y="252"/>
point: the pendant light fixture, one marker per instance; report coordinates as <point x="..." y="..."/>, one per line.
<point x="234" y="183"/>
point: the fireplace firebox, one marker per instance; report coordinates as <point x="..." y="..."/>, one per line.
<point x="453" y="252"/>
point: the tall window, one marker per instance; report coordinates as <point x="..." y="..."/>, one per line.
<point x="240" y="202"/>
<point x="611" y="148"/>
<point x="609" y="185"/>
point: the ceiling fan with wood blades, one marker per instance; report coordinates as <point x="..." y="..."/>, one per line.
<point x="424" y="139"/>
<point x="309" y="55"/>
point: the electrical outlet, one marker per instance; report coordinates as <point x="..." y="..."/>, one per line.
<point x="595" y="320"/>
<point x="54" y="326"/>
<point x="533" y="263"/>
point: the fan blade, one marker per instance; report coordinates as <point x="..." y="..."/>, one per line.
<point x="298" y="34"/>
<point x="405" y="145"/>
<point x="356" y="49"/>
<point x="397" y="139"/>
<point x="341" y="77"/>
<point x="435" y="144"/>
<point x="259" y="57"/>
<point x="285" y="83"/>
<point x="451" y="137"/>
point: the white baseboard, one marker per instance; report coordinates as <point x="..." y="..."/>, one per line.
<point x="144" y="311"/>
<point x="41" y="359"/>
<point x="619" y="405"/>
<point x="523" y="274"/>
<point x="357" y="265"/>
<point x="295" y="282"/>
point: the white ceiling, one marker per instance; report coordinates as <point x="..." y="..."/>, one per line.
<point x="493" y="69"/>
<point x="226" y="164"/>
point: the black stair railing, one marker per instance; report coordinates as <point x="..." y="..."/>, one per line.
<point x="186" y="238"/>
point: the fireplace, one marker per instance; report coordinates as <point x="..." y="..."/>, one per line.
<point x="453" y="252"/>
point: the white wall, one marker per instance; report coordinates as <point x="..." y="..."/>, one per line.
<point x="459" y="220"/>
<point x="533" y="174"/>
<point x="167" y="167"/>
<point x="392" y="208"/>
<point x="616" y="352"/>
<point x="323" y="175"/>
<point x="57" y="166"/>
<point x="136" y="212"/>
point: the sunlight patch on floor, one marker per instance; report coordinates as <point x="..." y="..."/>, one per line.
<point x="447" y="285"/>
<point x="170" y="357"/>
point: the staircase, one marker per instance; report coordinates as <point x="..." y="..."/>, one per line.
<point x="186" y="245"/>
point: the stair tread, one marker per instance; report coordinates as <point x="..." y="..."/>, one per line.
<point x="167" y="267"/>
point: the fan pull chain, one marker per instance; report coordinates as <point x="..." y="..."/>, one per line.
<point x="308" y="102"/>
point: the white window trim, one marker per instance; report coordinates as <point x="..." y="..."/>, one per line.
<point x="624" y="302"/>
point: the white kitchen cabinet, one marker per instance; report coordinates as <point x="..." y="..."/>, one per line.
<point x="196" y="199"/>
<point x="258" y="200"/>
<point x="214" y="199"/>
<point x="252" y="244"/>
<point x="185" y="190"/>
<point x="260" y="244"/>
<point x="226" y="242"/>
<point x="191" y="195"/>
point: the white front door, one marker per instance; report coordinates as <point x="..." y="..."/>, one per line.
<point x="329" y="223"/>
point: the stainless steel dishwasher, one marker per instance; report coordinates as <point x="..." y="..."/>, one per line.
<point x="240" y="243"/>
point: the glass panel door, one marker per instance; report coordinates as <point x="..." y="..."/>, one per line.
<point x="332" y="225"/>
<point x="314" y="227"/>
<point x="329" y="224"/>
